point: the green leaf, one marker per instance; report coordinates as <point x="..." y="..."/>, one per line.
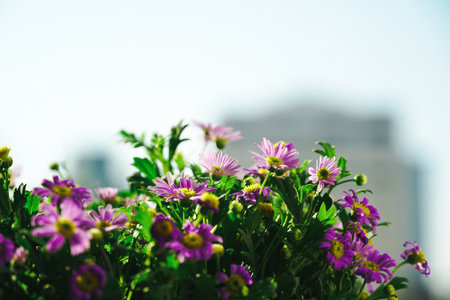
<point x="364" y="191"/>
<point x="32" y="204"/>
<point x="328" y="149"/>
<point x="327" y="216"/>
<point x="342" y="163"/>
<point x="146" y="167"/>
<point x="143" y="217"/>
<point x="397" y="282"/>
<point x="172" y="261"/>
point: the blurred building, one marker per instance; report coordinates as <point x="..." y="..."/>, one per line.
<point x="366" y="144"/>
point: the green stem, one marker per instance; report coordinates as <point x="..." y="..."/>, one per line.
<point x="398" y="267"/>
<point x="339" y="183"/>
<point x="264" y="182"/>
<point x="105" y="258"/>
<point x="362" y="288"/>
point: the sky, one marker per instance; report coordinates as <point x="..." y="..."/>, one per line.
<point x="73" y="73"/>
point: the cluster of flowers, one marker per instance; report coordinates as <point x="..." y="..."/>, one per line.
<point x="185" y="215"/>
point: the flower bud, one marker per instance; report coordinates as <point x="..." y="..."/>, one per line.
<point x="360" y="179"/>
<point x="220" y="143"/>
<point x="297" y="234"/>
<point x="218" y="249"/>
<point x="48" y="290"/>
<point x="364" y="295"/>
<point x="97" y="234"/>
<point x="236" y="206"/>
<point x="286" y="252"/>
<point x="4" y="152"/>
<point x="266" y="209"/>
<point x="54" y="166"/>
<point x="244" y="291"/>
<point x="389" y="289"/>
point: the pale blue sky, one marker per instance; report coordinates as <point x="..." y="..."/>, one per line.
<point x="73" y="73"/>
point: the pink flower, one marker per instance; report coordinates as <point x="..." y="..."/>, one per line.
<point x="105" y="219"/>
<point x="69" y="225"/>
<point x="219" y="164"/>
<point x="276" y="157"/>
<point x="326" y="172"/>
<point x="107" y="194"/>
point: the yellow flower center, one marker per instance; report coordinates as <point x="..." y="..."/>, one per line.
<point x="337" y="249"/>
<point x="323" y="173"/>
<point x="415" y="258"/>
<point x="164" y="228"/>
<point x="218" y="170"/>
<point x="251" y="188"/>
<point x="358" y="256"/>
<point x="65" y="227"/>
<point x="188" y="193"/>
<point x="366" y="210"/>
<point x="210" y="199"/>
<point x="234" y="283"/>
<point x="103" y="224"/>
<point x="193" y="241"/>
<point x="62" y="191"/>
<point x="371" y="266"/>
<point x="274" y="161"/>
<point x="87" y="282"/>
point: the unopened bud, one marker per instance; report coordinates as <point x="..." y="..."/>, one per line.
<point x="54" y="166"/>
<point x="286" y="252"/>
<point x="48" y="290"/>
<point x="220" y="143"/>
<point x="360" y="179"/>
<point x="236" y="206"/>
<point x="4" y="152"/>
<point x="364" y="295"/>
<point x="389" y="289"/>
<point x="218" y="249"/>
<point x="97" y="234"/>
<point x="244" y="291"/>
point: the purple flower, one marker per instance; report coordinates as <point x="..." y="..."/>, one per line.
<point x="338" y="252"/>
<point x="195" y="244"/>
<point x="219" y="164"/>
<point x="219" y="134"/>
<point x="87" y="281"/>
<point x="6" y="250"/>
<point x="360" y="249"/>
<point x="69" y="225"/>
<point x="277" y="157"/>
<point x="20" y="256"/>
<point x="238" y="278"/>
<point x="136" y="200"/>
<point x="416" y="258"/>
<point x="64" y="190"/>
<point x="164" y="230"/>
<point x="107" y="194"/>
<point x="325" y="173"/>
<point x="187" y="188"/>
<point x="364" y="213"/>
<point x="251" y="194"/>
<point x="258" y="171"/>
<point x="376" y="267"/>
<point x="105" y="220"/>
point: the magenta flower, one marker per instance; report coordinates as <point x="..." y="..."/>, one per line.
<point x="355" y="228"/>
<point x="164" y="230"/>
<point x="238" y="278"/>
<point x="64" y="190"/>
<point x="105" y="219"/>
<point x="416" y="258"/>
<point x="136" y="200"/>
<point x="187" y="188"/>
<point x="219" y="164"/>
<point x="337" y="248"/>
<point x="362" y="212"/>
<point x="20" y="256"/>
<point x="107" y="194"/>
<point x="251" y="194"/>
<point x="326" y="172"/>
<point x="69" y="225"/>
<point x="360" y="249"/>
<point x="277" y="157"/>
<point x="219" y="134"/>
<point x="195" y="244"/>
<point x="376" y="267"/>
<point x="87" y="281"/>
<point x="6" y="250"/>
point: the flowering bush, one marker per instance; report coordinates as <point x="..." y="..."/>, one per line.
<point x="185" y="231"/>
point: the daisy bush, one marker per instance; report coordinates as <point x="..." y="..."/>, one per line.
<point x="207" y="228"/>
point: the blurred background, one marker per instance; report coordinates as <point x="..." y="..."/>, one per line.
<point x="370" y="77"/>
